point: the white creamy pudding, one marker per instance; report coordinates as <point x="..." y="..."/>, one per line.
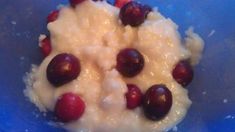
<point x="93" y="33"/>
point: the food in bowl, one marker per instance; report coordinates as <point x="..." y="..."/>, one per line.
<point x="113" y="68"/>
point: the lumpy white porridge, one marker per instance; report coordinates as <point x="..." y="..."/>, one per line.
<point x="93" y="33"/>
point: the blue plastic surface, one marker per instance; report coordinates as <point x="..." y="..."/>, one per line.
<point x="212" y="91"/>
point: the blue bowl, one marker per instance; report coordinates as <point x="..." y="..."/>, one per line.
<point x="212" y="91"/>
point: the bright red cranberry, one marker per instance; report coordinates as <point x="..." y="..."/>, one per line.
<point x="45" y="46"/>
<point x="62" y="69"/>
<point x="132" y="13"/>
<point x="147" y="9"/>
<point x="75" y="2"/>
<point x="130" y="62"/>
<point x="157" y="102"/>
<point x="69" y="107"/>
<point x="52" y="16"/>
<point x="183" y="73"/>
<point x="133" y="96"/>
<point x="121" y="3"/>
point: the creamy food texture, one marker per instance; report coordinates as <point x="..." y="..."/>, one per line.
<point x="93" y="33"/>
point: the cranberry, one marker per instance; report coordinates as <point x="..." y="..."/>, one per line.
<point x="133" y="96"/>
<point x="157" y="102"/>
<point x="147" y="9"/>
<point x="183" y="73"/>
<point x="52" y="16"/>
<point x="69" y="107"/>
<point x="62" y="69"/>
<point x="45" y="46"/>
<point x="132" y="13"/>
<point x="130" y="62"/>
<point x="75" y="2"/>
<point x="121" y="3"/>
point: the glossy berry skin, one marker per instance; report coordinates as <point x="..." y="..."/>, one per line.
<point x="121" y="3"/>
<point x="69" y="107"/>
<point x="73" y="3"/>
<point x="52" y="16"/>
<point x="157" y="102"/>
<point x="62" y="69"/>
<point x="133" y="96"/>
<point x="132" y="14"/>
<point x="130" y="62"/>
<point x="45" y="46"/>
<point x="183" y="73"/>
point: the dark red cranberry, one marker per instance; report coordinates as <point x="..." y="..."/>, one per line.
<point x="130" y="62"/>
<point x="147" y="9"/>
<point x="52" y="16"/>
<point x="183" y="73"/>
<point x="69" y="107"/>
<point x="121" y="3"/>
<point x="133" y="96"/>
<point x="157" y="102"/>
<point x="75" y="2"/>
<point x="132" y="13"/>
<point x="45" y="46"/>
<point x="62" y="69"/>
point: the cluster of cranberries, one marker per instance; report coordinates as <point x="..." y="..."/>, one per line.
<point x="157" y="100"/>
<point x="64" y="68"/>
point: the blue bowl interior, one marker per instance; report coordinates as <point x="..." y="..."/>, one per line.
<point x="211" y="91"/>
